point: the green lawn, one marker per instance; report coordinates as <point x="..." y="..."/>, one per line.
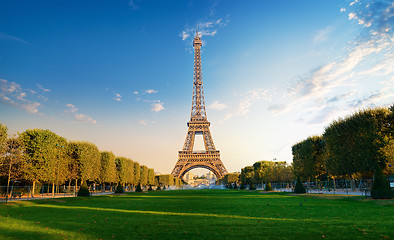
<point x="200" y="214"/>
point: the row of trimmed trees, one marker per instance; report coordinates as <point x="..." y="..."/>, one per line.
<point x="41" y="156"/>
<point x="261" y="172"/>
<point x="354" y="147"/>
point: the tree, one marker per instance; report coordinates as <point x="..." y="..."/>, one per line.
<point x="13" y="163"/>
<point x="45" y="156"/>
<point x="381" y="187"/>
<point x="165" y="180"/>
<point x="3" y="142"/>
<point x="151" y="176"/>
<point x="359" y="143"/>
<point x="308" y="158"/>
<point x="137" y="173"/>
<point x="230" y="178"/>
<point x="87" y="158"/>
<point x="143" y="175"/>
<point x="107" y="168"/>
<point x="247" y="175"/>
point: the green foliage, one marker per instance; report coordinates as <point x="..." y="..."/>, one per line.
<point x="381" y="187"/>
<point x="151" y="176"/>
<point x="107" y="168"/>
<point x="45" y="154"/>
<point x="268" y="187"/>
<point x="87" y="159"/>
<point x="119" y="188"/>
<point x="247" y="174"/>
<point x="308" y="158"/>
<point x="84" y="190"/>
<point x="242" y="215"/>
<point x="165" y="180"/>
<point x="252" y="187"/>
<point x="138" y="188"/>
<point x="299" y="188"/>
<point x="242" y="186"/>
<point x="230" y="178"/>
<point x="137" y="173"/>
<point x="3" y="139"/>
<point x="271" y="171"/>
<point x="358" y="143"/>
<point x="144" y="175"/>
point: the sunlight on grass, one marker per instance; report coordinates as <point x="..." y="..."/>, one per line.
<point x="176" y="213"/>
<point x="29" y="230"/>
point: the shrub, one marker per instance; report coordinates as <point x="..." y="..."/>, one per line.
<point x="150" y="188"/>
<point x="242" y="186"/>
<point x="381" y="187"/>
<point x="268" y="187"/>
<point x="119" y="189"/>
<point x="252" y="187"/>
<point x="299" y="188"/>
<point x="84" y="190"/>
<point x="235" y="186"/>
<point x="138" y="188"/>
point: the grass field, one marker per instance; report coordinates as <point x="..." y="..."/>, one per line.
<point x="199" y="214"/>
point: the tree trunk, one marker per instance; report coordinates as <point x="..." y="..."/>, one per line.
<point x="53" y="188"/>
<point x="32" y="191"/>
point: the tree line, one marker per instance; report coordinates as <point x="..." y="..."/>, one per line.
<point x="38" y="156"/>
<point x="353" y="147"/>
<point x="262" y="172"/>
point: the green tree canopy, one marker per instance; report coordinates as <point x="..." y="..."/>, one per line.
<point x="359" y="143"/>
<point x="308" y="157"/>
<point x="107" y="168"/>
<point x="87" y="158"/>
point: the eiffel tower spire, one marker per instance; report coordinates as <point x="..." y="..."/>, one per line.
<point x="189" y="159"/>
<point x="198" y="103"/>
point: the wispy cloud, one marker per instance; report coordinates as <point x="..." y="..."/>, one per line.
<point x="205" y="28"/>
<point x="13" y="95"/>
<point x="252" y="96"/>
<point x="333" y="89"/>
<point x="217" y="106"/>
<point x="42" y="88"/>
<point x="323" y="34"/>
<point x="79" y="116"/>
<point x="133" y="4"/>
<point x="142" y="122"/>
<point x="13" y="38"/>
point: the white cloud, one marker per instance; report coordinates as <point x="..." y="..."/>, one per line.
<point x="205" y="28"/>
<point x="343" y="10"/>
<point x="13" y="95"/>
<point x="157" y="107"/>
<point x="79" y="116"/>
<point x="135" y="92"/>
<point x="118" y="97"/>
<point x="71" y="107"/>
<point x="149" y="91"/>
<point x="217" y="106"/>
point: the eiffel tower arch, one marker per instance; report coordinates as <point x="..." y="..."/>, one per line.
<point x="209" y="158"/>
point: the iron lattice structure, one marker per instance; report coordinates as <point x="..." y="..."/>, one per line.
<point x="189" y="159"/>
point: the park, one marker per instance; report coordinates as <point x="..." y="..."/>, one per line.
<point x="199" y="214"/>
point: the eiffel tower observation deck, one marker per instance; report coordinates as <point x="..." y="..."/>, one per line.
<point x="209" y="158"/>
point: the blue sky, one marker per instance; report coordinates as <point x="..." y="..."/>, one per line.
<point x="119" y="73"/>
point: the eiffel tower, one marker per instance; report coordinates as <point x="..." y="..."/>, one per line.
<point x="198" y="125"/>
